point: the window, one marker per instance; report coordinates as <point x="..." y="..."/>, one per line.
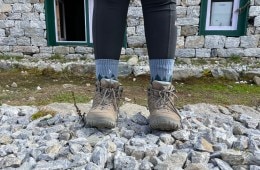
<point x="69" y="22"/>
<point x="224" y="17"/>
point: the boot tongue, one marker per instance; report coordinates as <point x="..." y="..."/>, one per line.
<point x="109" y="83"/>
<point x="161" y="85"/>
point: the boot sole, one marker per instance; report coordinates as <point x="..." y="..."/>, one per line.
<point x="162" y="123"/>
<point x="100" y="123"/>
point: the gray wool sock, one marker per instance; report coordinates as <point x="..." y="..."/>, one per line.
<point x="106" y="68"/>
<point x="161" y="69"/>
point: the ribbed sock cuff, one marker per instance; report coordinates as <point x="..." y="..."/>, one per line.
<point x="161" y="69"/>
<point x="106" y="68"/>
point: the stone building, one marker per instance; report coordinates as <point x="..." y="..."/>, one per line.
<point x="206" y="28"/>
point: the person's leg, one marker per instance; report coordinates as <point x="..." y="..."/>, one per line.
<point x="161" y="33"/>
<point x="109" y="23"/>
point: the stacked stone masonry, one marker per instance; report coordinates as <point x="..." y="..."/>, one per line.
<point x="23" y="33"/>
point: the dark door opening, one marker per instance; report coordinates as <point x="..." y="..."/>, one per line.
<point x="70" y="17"/>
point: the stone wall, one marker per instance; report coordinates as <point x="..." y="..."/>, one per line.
<point x="23" y="33"/>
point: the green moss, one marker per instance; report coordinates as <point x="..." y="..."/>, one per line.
<point x="42" y="113"/>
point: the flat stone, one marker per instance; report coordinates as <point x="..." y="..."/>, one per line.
<point x="233" y="157"/>
<point x="194" y="42"/>
<point x="214" y="41"/>
<point x="203" y="145"/>
<point x="175" y="160"/>
<point x="166" y="149"/>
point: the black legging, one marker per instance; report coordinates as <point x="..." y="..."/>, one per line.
<point x="109" y="25"/>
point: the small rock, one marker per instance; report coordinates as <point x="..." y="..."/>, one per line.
<point x="257" y="80"/>
<point x="239" y="129"/>
<point x="5" y="138"/>
<point x="99" y="156"/>
<point x="127" y="99"/>
<point x="121" y="161"/>
<point x="232" y="157"/>
<point x="53" y="150"/>
<point x="146" y="165"/>
<point x="155" y="160"/>
<point x="241" y="143"/>
<point x="196" y="166"/>
<point x="38" y="88"/>
<point x="138" y="142"/>
<point x="182" y="135"/>
<point x="220" y="147"/>
<point x="127" y="133"/>
<point x="167" y="139"/>
<point x="139" y="119"/>
<point x="14" y="85"/>
<point x="166" y="149"/>
<point x="203" y="145"/>
<point x="92" y="166"/>
<point x="11" y="161"/>
<point x="67" y="86"/>
<point x="254" y="167"/>
<point x="200" y="157"/>
<point x="65" y="136"/>
<point x="222" y="165"/>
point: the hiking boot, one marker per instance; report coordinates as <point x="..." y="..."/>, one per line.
<point x="104" y="111"/>
<point x="163" y="114"/>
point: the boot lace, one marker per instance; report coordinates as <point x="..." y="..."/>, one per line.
<point x="165" y="99"/>
<point x="109" y="96"/>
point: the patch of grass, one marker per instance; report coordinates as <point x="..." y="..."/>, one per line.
<point x="199" y="62"/>
<point x="56" y="57"/>
<point x="235" y="59"/>
<point x="42" y="113"/>
<point x="207" y="73"/>
<point x="194" y="90"/>
<point x="217" y="91"/>
<point x="67" y="97"/>
<point x="5" y="57"/>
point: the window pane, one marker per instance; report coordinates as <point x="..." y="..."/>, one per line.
<point x="221" y="14"/>
<point x="70" y="20"/>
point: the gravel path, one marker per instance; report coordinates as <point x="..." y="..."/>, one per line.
<point x="211" y="137"/>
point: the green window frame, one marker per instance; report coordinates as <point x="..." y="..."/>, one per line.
<point x="241" y="21"/>
<point x="51" y="25"/>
